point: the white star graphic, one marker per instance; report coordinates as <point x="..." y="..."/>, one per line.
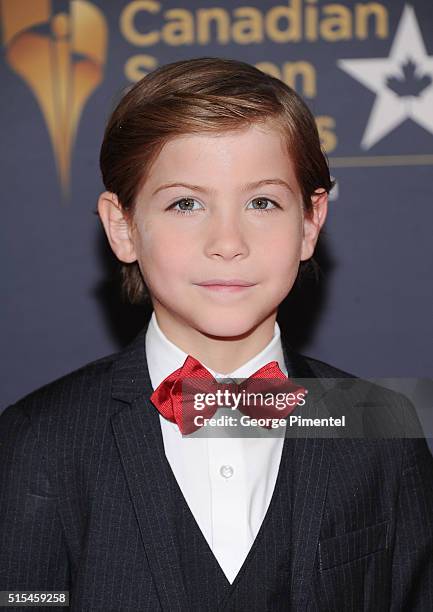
<point x="390" y="109"/>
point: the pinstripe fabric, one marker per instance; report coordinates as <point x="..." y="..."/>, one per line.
<point x="88" y="503"/>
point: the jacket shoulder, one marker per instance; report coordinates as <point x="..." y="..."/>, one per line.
<point x="385" y="411"/>
<point x="325" y="370"/>
<point x="79" y="385"/>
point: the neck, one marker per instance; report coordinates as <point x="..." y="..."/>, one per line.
<point x="221" y="354"/>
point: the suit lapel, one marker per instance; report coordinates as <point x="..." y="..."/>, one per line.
<point x="138" y="436"/>
<point x="310" y="464"/>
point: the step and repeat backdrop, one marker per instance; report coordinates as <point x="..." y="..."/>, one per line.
<point x="366" y="71"/>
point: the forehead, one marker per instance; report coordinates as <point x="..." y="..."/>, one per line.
<point x="256" y="151"/>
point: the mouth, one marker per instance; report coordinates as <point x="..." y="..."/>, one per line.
<point x="226" y="286"/>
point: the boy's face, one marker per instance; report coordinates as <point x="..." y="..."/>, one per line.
<point x="225" y="207"/>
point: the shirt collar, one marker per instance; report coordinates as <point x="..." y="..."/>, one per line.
<point x="163" y="356"/>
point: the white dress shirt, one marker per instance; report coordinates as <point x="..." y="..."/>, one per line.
<point x="227" y="482"/>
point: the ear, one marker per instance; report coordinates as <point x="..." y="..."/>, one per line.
<point x="116" y="226"/>
<point x="313" y="222"/>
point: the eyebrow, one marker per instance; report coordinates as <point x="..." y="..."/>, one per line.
<point x="247" y="187"/>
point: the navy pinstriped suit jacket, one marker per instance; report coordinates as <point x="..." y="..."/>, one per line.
<point x="84" y="487"/>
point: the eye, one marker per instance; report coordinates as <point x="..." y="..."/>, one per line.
<point x="263" y="204"/>
<point x="185" y="206"/>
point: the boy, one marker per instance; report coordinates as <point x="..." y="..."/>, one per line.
<point x="216" y="191"/>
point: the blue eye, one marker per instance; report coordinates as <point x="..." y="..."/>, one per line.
<point x="188" y="202"/>
<point x="263" y="204"/>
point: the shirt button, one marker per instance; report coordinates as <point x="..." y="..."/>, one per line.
<point x="226" y="471"/>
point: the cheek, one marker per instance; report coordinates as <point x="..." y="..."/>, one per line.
<point x="283" y="252"/>
<point x="163" y="254"/>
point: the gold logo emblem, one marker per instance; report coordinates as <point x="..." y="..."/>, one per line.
<point x="62" y="68"/>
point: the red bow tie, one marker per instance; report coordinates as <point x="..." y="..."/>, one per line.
<point x="175" y="396"/>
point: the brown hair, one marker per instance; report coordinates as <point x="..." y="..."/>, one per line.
<point x="202" y="95"/>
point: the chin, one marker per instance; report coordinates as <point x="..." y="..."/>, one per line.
<point x="226" y="325"/>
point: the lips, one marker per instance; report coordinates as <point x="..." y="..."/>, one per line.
<point x="233" y="282"/>
<point x="224" y="287"/>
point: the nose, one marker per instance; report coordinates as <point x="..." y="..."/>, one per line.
<point x="225" y="237"/>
